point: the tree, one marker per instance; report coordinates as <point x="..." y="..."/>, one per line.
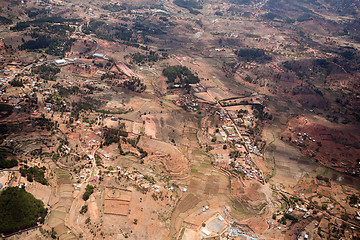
<point x="88" y="191"/>
<point x="84" y="209"/>
<point x="19" y="210"/>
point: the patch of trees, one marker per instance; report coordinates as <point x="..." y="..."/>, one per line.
<point x="88" y="103"/>
<point x="150" y="28"/>
<point x="259" y="112"/>
<point x="270" y="16"/>
<point x="112" y="75"/>
<point x="305" y="17"/>
<point x="19" y="210"/>
<point x="50" y="34"/>
<point x="140" y="58"/>
<point x="65" y="92"/>
<point x="134" y="84"/>
<point x="180" y="75"/>
<point x="88" y="191"/>
<point x="109" y="32"/>
<point x="5" y="110"/>
<point x="84" y="209"/>
<point x="4" y="20"/>
<point x="34" y="173"/>
<point x="353" y="199"/>
<point x="150" y="179"/>
<point x="142" y="152"/>
<point x="44" y="123"/>
<point x="218" y="13"/>
<point x="292" y="218"/>
<point x="349" y="55"/>
<point x="16" y="83"/>
<point x="20" y="26"/>
<point x="190" y="5"/>
<point x="252" y="54"/>
<point x="234" y="154"/>
<point x="52" y="44"/>
<point x="321" y="178"/>
<point x="113" y="136"/>
<point x="241" y="2"/>
<point x="5" y="162"/>
<point x="113" y="7"/>
<point x="34" y="12"/>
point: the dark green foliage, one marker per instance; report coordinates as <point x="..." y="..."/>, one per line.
<point x="349" y="55"/>
<point x="319" y="177"/>
<point x="4" y="20"/>
<point x="34" y="12"/>
<point x="44" y="123"/>
<point x="142" y="152"/>
<point x="282" y="220"/>
<point x="304" y="17"/>
<point x="84" y="209"/>
<point x="54" y="45"/>
<point x="41" y="22"/>
<point x="5" y="152"/>
<point x="34" y="173"/>
<point x="234" y="154"/>
<point x="139" y="58"/>
<point x="46" y="72"/>
<point x="150" y="179"/>
<point x="149" y="28"/>
<point x="353" y="200"/>
<point x="107" y="31"/>
<point x="190" y="5"/>
<point x="88" y="191"/>
<point x="65" y="92"/>
<point x="113" y="7"/>
<point x="5" y="110"/>
<point x="53" y="233"/>
<point x="179" y="75"/>
<point x="270" y="16"/>
<point x="241" y="2"/>
<point x="292" y="218"/>
<point x="50" y="34"/>
<point x="16" y="83"/>
<point x="19" y="210"/>
<point x="134" y="84"/>
<point x="113" y="136"/>
<point x="252" y="54"/>
<point x="87" y="104"/>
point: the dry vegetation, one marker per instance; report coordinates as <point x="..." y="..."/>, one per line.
<point x="181" y="119"/>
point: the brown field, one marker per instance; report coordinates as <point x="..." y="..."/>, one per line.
<point x="116" y="207"/>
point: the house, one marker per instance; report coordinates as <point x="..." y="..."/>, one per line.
<point x="206" y="231"/>
<point x="99" y="55"/>
<point x="60" y="61"/>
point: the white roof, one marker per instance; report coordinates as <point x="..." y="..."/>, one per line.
<point x="60" y="61"/>
<point x="99" y="55"/>
<point x="205" y="231"/>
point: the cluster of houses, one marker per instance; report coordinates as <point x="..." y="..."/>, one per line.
<point x="247" y="166"/>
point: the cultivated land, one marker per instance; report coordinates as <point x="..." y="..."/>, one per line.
<point x="181" y="119"/>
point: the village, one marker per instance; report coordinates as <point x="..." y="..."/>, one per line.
<point x="179" y="120"/>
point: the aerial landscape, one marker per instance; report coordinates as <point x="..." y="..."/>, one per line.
<point x="180" y="119"/>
